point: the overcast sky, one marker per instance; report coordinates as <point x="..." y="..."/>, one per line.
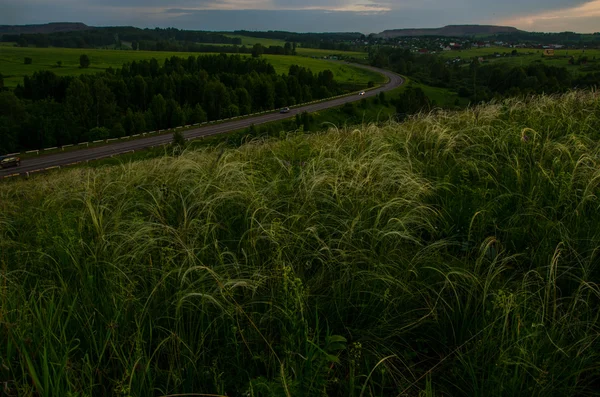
<point x="366" y="16"/>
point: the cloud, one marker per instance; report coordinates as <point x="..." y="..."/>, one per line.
<point x="307" y="15"/>
<point x="581" y="18"/>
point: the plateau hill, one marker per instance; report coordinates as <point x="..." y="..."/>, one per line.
<point x="448" y="31"/>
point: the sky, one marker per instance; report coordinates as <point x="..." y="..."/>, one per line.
<point x="365" y="16"/>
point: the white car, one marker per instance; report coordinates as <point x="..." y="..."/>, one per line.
<point x="361" y="93"/>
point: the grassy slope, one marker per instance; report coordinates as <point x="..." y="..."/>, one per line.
<point x="464" y="244"/>
<point x="12" y="67"/>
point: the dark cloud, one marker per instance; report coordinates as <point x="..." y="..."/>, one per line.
<point x="186" y="14"/>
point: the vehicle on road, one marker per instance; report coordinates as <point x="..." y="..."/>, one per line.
<point x="361" y="93"/>
<point x="284" y="110"/>
<point x="10" y="162"/>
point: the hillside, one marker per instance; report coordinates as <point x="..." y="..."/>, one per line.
<point x="449" y="31"/>
<point x="43" y="29"/>
<point x="455" y="254"/>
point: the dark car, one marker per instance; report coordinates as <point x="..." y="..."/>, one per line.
<point x="284" y="110"/>
<point x="10" y="162"/>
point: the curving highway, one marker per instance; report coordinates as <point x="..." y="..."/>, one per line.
<point x="60" y="159"/>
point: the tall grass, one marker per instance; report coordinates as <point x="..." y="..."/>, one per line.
<point x="454" y="254"/>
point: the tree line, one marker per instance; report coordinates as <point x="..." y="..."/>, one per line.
<point x="101" y="37"/>
<point x="481" y="82"/>
<point x="49" y="110"/>
<point x="326" y="41"/>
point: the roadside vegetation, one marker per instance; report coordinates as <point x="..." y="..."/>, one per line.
<point x="48" y="110"/>
<point x="453" y="254"/>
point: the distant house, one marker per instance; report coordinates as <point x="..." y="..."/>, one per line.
<point x="423" y="51"/>
<point x="447" y="48"/>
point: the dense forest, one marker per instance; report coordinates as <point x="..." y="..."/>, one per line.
<point x="483" y="82"/>
<point x="172" y="40"/>
<point x="50" y="110"/>
<point x="326" y="41"/>
<point x="100" y="37"/>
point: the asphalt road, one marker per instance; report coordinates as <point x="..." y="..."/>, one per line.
<point x="44" y="162"/>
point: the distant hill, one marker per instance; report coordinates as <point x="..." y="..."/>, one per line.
<point x="44" y="29"/>
<point x="449" y="31"/>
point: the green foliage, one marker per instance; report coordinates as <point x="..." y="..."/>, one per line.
<point x="98" y="133"/>
<point x="28" y="61"/>
<point x="452" y="254"/>
<point x="179" y="141"/>
<point x="84" y="61"/>
<point x="144" y="96"/>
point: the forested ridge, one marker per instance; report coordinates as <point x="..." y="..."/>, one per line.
<point x="99" y="37"/>
<point x="50" y="110"/>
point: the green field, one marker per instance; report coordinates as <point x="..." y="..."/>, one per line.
<point x="13" y="68"/>
<point x="455" y="254"/>
<point x="315" y="52"/>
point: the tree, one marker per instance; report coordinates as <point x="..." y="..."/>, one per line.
<point x="84" y="61"/>
<point x="79" y="105"/>
<point x="159" y="110"/>
<point x="244" y="100"/>
<point x="104" y="102"/>
<point x="117" y="130"/>
<point x="98" y="133"/>
<point x="413" y="100"/>
<point x="257" y="50"/>
<point x="179" y="140"/>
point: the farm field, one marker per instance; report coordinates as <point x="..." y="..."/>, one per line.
<point x="316" y="52"/>
<point x="13" y="68"/>
<point x="454" y="254"/>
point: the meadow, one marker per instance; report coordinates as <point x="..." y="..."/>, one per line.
<point x="13" y="68"/>
<point x="454" y="254"/>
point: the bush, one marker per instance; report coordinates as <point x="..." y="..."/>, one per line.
<point x="84" y="61"/>
<point x="179" y="140"/>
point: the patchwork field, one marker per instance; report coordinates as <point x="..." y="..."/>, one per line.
<point x="13" y="68"/>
